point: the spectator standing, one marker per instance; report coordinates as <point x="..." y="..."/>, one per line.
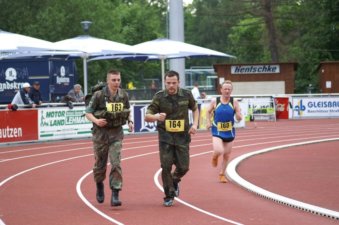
<point x="153" y="88"/>
<point x="35" y="93"/>
<point x="203" y="95"/>
<point x="195" y="91"/>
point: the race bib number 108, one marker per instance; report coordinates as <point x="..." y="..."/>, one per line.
<point x="224" y="126"/>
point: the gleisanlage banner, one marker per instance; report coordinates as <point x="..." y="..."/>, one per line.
<point x="315" y="107"/>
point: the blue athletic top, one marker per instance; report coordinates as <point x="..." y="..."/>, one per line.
<point x="223" y="120"/>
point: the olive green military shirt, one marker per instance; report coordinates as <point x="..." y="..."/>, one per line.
<point x="176" y="108"/>
<point x="98" y="103"/>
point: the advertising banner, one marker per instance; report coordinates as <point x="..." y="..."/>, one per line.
<point x="16" y="126"/>
<point x="261" y="108"/>
<point x="140" y="125"/>
<point x="281" y="107"/>
<point x="203" y="115"/>
<point x="244" y="111"/>
<point x="14" y="73"/>
<point x="316" y="107"/>
<point x="139" y="120"/>
<point x="63" y="123"/>
<point x="56" y="77"/>
<point x="62" y="78"/>
<point x="255" y="69"/>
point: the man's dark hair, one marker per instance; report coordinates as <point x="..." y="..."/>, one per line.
<point x="172" y="73"/>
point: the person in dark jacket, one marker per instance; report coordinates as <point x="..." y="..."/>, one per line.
<point x="35" y="93"/>
<point x="22" y="96"/>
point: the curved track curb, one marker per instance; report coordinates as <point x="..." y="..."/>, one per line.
<point x="233" y="175"/>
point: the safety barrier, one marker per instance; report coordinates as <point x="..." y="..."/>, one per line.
<point x="55" y="121"/>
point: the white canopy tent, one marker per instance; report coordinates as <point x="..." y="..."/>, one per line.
<point x="89" y="47"/>
<point x="14" y="45"/>
<point x="162" y="49"/>
<point x="10" y="42"/>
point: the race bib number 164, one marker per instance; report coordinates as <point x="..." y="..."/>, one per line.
<point x="175" y="125"/>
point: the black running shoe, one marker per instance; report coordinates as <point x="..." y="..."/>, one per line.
<point x="168" y="202"/>
<point x="176" y="189"/>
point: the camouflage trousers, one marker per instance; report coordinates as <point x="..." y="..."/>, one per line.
<point x="101" y="153"/>
<point x="170" y="155"/>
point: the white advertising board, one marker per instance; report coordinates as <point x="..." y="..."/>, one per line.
<point x="315" y="107"/>
<point x="63" y="123"/>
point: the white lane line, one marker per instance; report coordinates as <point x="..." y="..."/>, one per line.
<point x="232" y="173"/>
<point x="55" y="162"/>
<point x="79" y="193"/>
<point x="84" y="199"/>
<point x="42" y="154"/>
<point x="51" y="163"/>
<point x="37" y="167"/>
<point x="283" y="139"/>
<point x="40" y="166"/>
<point x="156" y="181"/>
<point x="69" y="150"/>
<point x="41" y="147"/>
<point x="197" y="138"/>
<point x="96" y="210"/>
<point x="90" y="143"/>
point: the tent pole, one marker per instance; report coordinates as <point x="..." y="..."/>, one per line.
<point x="85" y="75"/>
<point x="163" y="73"/>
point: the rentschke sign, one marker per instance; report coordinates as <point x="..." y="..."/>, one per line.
<point x="253" y="69"/>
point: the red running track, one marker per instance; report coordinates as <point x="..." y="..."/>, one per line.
<point x="51" y="183"/>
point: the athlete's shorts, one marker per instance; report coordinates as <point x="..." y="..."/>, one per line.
<point x="225" y="139"/>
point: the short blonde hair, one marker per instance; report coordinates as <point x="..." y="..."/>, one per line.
<point x="226" y="82"/>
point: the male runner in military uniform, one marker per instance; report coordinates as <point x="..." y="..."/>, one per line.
<point x="170" y="109"/>
<point x="108" y="109"/>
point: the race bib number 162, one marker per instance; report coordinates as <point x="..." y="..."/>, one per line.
<point x="115" y="107"/>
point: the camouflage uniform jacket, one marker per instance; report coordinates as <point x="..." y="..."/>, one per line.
<point x="98" y="104"/>
<point x="176" y="107"/>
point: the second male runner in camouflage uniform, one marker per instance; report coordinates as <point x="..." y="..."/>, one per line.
<point x="108" y="109"/>
<point x="170" y="109"/>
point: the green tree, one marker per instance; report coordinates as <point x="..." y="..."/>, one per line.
<point x="247" y="41"/>
<point x="305" y="32"/>
<point x="302" y="31"/>
<point x="208" y="24"/>
<point x="128" y="22"/>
